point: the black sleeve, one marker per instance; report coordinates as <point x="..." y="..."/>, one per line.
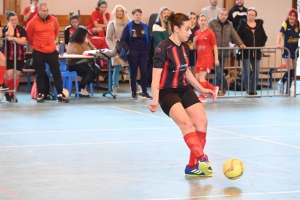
<point x="22" y="32"/>
<point x="66" y="33"/>
<point x="160" y="56"/>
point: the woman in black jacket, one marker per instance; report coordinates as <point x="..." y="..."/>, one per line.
<point x="252" y="33"/>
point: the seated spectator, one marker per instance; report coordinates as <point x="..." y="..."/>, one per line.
<point x="161" y="28"/>
<point x="114" y="30"/>
<point x="77" y="45"/>
<point x="99" y="19"/>
<point x="252" y="33"/>
<point x="69" y="30"/>
<point x="13" y="32"/>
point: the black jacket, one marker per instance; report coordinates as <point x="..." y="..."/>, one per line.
<point x="235" y="15"/>
<point x="255" y="38"/>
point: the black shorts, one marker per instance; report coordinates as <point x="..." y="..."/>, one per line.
<point x="168" y="97"/>
<point x="10" y="64"/>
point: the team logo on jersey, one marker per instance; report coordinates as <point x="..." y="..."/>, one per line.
<point x="143" y="32"/>
<point x="296" y="29"/>
<point x="52" y="24"/>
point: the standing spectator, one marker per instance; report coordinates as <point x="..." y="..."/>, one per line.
<point x="224" y="31"/>
<point x="161" y="28"/>
<point x="99" y="19"/>
<point x="211" y="11"/>
<point x="77" y="45"/>
<point x="113" y="34"/>
<point x="252" y="33"/>
<point x="30" y="11"/>
<point x="42" y="31"/>
<point x="236" y="13"/>
<point x="207" y="54"/>
<point x="192" y="55"/>
<point x="13" y="32"/>
<point x="3" y="87"/>
<point x="176" y="98"/>
<point x="135" y="39"/>
<point x="289" y="31"/>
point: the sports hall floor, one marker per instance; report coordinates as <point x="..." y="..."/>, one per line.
<point x="105" y="149"/>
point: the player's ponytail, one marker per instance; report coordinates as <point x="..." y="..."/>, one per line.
<point x="177" y="19"/>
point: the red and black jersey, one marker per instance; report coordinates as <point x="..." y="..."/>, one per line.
<point x="19" y="32"/>
<point x="174" y="61"/>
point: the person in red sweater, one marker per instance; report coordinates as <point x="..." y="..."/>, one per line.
<point x="29" y="12"/>
<point x="99" y="19"/>
<point x="42" y="31"/>
<point x="13" y="32"/>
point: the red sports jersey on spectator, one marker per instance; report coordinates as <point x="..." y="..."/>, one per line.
<point x="206" y="41"/>
<point x="26" y="10"/>
<point x="97" y="16"/>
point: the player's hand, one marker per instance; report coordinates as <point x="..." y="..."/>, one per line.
<point x="9" y="38"/>
<point x="209" y="93"/>
<point x="217" y="63"/>
<point x="153" y="106"/>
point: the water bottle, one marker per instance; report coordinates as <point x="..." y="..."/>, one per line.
<point x="292" y="90"/>
<point x="280" y="87"/>
<point x="32" y="8"/>
<point x="61" y="48"/>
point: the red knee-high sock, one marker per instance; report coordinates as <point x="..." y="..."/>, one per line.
<point x="192" y="141"/>
<point x="192" y="161"/>
<point x="10" y="84"/>
<point x="203" y="84"/>
<point x="209" y="86"/>
<point x="2" y="72"/>
<point x="202" y="137"/>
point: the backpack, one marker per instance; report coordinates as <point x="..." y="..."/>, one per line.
<point x="34" y="91"/>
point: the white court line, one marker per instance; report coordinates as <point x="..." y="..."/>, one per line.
<point x="225" y="195"/>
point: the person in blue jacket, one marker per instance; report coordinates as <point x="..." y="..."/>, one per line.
<point x="135" y="40"/>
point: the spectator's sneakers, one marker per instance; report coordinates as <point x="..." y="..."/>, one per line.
<point x="202" y="98"/>
<point x="216" y="91"/>
<point x="62" y="98"/>
<point x="10" y="98"/>
<point x="115" y="90"/>
<point x="3" y="87"/>
<point x="203" y="168"/>
<point x="146" y="96"/>
<point x="139" y="89"/>
<point x="40" y="98"/>
<point x="134" y="96"/>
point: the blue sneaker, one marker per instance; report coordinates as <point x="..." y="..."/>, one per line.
<point x="203" y="168"/>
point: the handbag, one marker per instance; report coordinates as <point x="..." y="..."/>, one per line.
<point x="118" y="46"/>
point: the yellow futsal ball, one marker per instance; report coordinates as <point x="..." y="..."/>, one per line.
<point x="233" y="169"/>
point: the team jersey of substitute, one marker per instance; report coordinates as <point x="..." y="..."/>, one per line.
<point x="290" y="35"/>
<point x="174" y="61"/>
<point x="205" y="43"/>
<point x="97" y="16"/>
<point x="19" y="32"/>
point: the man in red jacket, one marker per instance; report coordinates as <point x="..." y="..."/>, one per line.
<point x="42" y="31"/>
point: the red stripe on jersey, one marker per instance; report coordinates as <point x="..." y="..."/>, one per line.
<point x="164" y="75"/>
<point x="187" y="62"/>
<point x="177" y="69"/>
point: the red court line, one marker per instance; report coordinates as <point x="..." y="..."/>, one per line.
<point x="11" y="193"/>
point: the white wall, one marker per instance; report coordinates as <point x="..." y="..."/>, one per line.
<point x="1" y="7"/>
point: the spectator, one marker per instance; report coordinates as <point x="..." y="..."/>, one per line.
<point x="236" y="13"/>
<point x="161" y="28"/>
<point x="13" y="32"/>
<point x="3" y="87"/>
<point x="69" y="30"/>
<point x="42" y="31"/>
<point x="211" y="11"/>
<point x="77" y="45"/>
<point x="290" y="31"/>
<point x="113" y="34"/>
<point x="99" y="19"/>
<point x="224" y="31"/>
<point x="252" y="33"/>
<point x="207" y="54"/>
<point x="30" y="11"/>
<point x="192" y="55"/>
<point x="135" y="39"/>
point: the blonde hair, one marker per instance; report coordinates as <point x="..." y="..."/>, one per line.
<point x="125" y="17"/>
<point x="161" y="20"/>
